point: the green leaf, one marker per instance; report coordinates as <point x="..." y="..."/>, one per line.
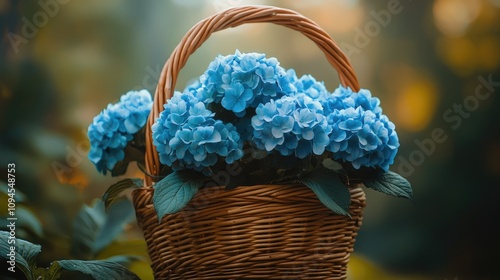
<point x="120" y="214"/>
<point x="86" y="227"/>
<point x="117" y="188"/>
<point x="29" y="220"/>
<point x="173" y="192"/>
<point x="124" y="260"/>
<point x="329" y="163"/>
<point x="25" y="252"/>
<point x="94" y="228"/>
<point x="99" y="269"/>
<point x="120" y="168"/>
<point x="51" y="273"/>
<point x="26" y="220"/>
<point x="391" y="183"/>
<point x="28" y="250"/>
<point x="330" y="190"/>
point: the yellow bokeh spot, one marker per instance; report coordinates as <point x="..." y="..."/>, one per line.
<point x="132" y="247"/>
<point x="335" y="16"/>
<point x="453" y="17"/>
<point x="143" y="270"/>
<point x="361" y="268"/>
<point x="416" y="105"/>
<point x="488" y="54"/>
<point x="459" y="53"/>
<point x="465" y="56"/>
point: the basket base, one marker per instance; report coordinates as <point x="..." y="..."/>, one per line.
<point x="255" y="232"/>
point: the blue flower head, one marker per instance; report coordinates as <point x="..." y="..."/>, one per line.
<point x="344" y="97"/>
<point x="115" y="126"/>
<point x="186" y="135"/>
<point x="291" y="125"/>
<point x="308" y="85"/>
<point x="361" y="134"/>
<point x="242" y="81"/>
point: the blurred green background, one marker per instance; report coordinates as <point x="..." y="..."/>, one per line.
<point x="435" y="65"/>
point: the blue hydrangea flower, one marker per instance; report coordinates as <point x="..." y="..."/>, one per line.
<point x="336" y="101"/>
<point x="186" y="135"/>
<point x="310" y="131"/>
<point x="308" y="85"/>
<point x="291" y="125"/>
<point x="362" y="136"/>
<point x="115" y="126"/>
<point x="236" y="98"/>
<point x="343" y="98"/>
<point x="242" y="81"/>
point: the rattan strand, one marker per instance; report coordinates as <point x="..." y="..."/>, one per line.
<point x="251" y="232"/>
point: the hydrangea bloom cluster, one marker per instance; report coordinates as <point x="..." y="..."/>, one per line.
<point x="291" y="125"/>
<point x="186" y="135"/>
<point x="240" y="81"/>
<point x="361" y="134"/>
<point x="115" y="126"/>
<point x="308" y="85"/>
<point x="274" y="111"/>
<point x="349" y="124"/>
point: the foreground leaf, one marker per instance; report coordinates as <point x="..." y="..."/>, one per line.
<point x="86" y="227"/>
<point x="94" y="228"/>
<point x="25" y="252"/>
<point x="27" y="219"/>
<point x="118" y="216"/>
<point x="330" y="190"/>
<point x="99" y="269"/>
<point x="124" y="260"/>
<point x="113" y="192"/>
<point x="51" y="273"/>
<point x="329" y="163"/>
<point x="391" y="183"/>
<point x="173" y="192"/>
<point x="28" y="251"/>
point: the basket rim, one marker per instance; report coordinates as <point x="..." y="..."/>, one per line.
<point x="272" y="191"/>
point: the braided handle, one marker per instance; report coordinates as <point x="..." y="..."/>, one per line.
<point x="233" y="17"/>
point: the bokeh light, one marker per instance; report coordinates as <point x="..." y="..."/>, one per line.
<point x="453" y="17"/>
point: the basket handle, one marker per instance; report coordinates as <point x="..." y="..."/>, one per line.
<point x="233" y="17"/>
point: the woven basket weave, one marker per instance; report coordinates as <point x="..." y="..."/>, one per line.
<point x="250" y="232"/>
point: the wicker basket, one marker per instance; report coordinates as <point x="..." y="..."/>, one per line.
<point x="250" y="232"/>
